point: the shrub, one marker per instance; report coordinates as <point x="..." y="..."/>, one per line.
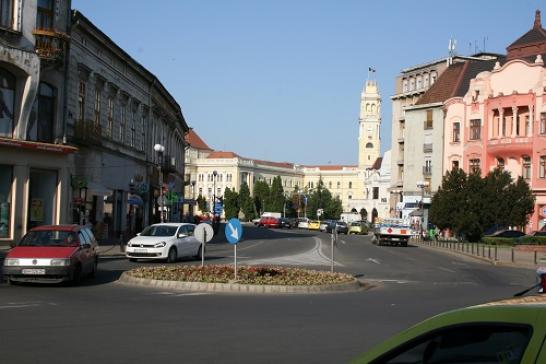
<point x="498" y="241"/>
<point x="531" y="240"/>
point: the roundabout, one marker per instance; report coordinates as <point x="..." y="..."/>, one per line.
<point x="251" y="279"/>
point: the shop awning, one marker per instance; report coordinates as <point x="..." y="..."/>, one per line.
<point x="135" y="200"/>
<point x="94" y="188"/>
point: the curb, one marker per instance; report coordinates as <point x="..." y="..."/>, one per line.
<point x="496" y="263"/>
<point x="239" y="288"/>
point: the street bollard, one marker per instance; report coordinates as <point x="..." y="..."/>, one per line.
<point x="489" y="252"/>
<point x="512" y="254"/>
<point x="535" y="257"/>
<point x="495" y="253"/>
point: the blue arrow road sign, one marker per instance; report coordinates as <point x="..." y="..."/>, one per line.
<point x="234" y="231"/>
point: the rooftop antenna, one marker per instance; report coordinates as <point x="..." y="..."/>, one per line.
<point x="485" y="39"/>
<point x="451" y="50"/>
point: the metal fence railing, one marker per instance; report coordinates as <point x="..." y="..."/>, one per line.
<point x="527" y="255"/>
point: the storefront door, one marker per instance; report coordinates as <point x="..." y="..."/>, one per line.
<point x="42" y="197"/>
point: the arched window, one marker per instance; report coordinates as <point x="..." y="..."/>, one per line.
<point x="369" y="145"/>
<point x="373" y="108"/>
<point x="526" y="167"/>
<point x="367" y="107"/>
<point x="500" y="163"/>
<point x="7" y="98"/>
<point x="40" y="126"/>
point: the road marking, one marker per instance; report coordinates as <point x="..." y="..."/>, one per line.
<point x="446" y="269"/>
<point x="260" y="242"/>
<point x="191" y="294"/>
<point x="373" y="260"/>
<point x="10" y="305"/>
<point x="342" y="242"/>
<point x="313" y="257"/>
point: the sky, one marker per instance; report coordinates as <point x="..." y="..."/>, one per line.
<point x="280" y="80"/>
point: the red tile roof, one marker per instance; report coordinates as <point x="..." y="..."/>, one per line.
<point x="195" y="141"/>
<point x="531" y="43"/>
<point x="275" y="164"/>
<point x="445" y="86"/>
<point x="377" y="163"/>
<point x="219" y="154"/>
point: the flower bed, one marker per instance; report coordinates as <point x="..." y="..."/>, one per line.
<point x="259" y="275"/>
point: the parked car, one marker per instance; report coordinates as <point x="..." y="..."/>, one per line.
<point x="358" y="227"/>
<point x="303" y="223"/>
<point x="507" y="234"/>
<point x="270" y="222"/>
<point x="52" y="254"/>
<point x="256" y="221"/>
<point x="324" y="225"/>
<point x="169" y="241"/>
<point x="313" y="225"/>
<point x="340" y="226"/>
<point x="538" y="233"/>
<point x="285" y="223"/>
<point x="507" y="331"/>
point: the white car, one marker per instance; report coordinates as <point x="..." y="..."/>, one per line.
<point x="303" y="223"/>
<point x="169" y="241"/>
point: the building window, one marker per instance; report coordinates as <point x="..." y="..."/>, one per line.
<point x="110" y="126"/>
<point x="6" y="179"/>
<point x="7" y="98"/>
<point x="454" y="165"/>
<point x="542" y="167"/>
<point x="425" y="80"/>
<point x="456" y="132"/>
<point x="474" y="165"/>
<point x="41" y="128"/>
<point x="543" y="123"/>
<point x="369" y="145"/>
<point x="433" y="76"/>
<point x="419" y="82"/>
<point x="500" y="164"/>
<point x="350" y="184"/>
<point x="338" y="184"/>
<point x="405" y="86"/>
<point x="330" y="185"/>
<point x="6" y="13"/>
<point x="133" y="127"/>
<point x="44" y="19"/>
<point x="81" y="100"/>
<point x="427" y="169"/>
<point x="350" y="197"/>
<point x="412" y="84"/>
<point x="98" y="97"/>
<point x="475" y="128"/>
<point x="375" y="193"/>
<point x="428" y="121"/>
<point x="526" y="164"/>
<point x="122" y="122"/>
<point x="143" y="129"/>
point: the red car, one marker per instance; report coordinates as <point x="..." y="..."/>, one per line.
<point x="52" y="254"/>
<point x="270" y="222"/>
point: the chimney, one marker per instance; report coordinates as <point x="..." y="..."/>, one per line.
<point x="537" y="24"/>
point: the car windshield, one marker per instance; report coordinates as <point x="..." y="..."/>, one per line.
<point x="355" y="224"/>
<point x="159" y="230"/>
<point x="49" y="238"/>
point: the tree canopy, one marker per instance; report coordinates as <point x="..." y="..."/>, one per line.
<point x="469" y="205"/>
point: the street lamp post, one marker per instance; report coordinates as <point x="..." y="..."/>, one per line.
<point x="421" y="185"/>
<point x="160" y="149"/>
<point x="192" y="184"/>
<point x="214" y="174"/>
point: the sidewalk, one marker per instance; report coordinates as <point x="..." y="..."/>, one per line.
<point x="497" y="255"/>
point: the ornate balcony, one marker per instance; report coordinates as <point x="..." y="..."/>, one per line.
<point x="87" y="132"/>
<point x="50" y="45"/>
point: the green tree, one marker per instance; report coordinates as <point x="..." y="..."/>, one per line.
<point x="261" y="196"/>
<point x="231" y="203"/>
<point x="469" y="204"/>
<point x="276" y="195"/>
<point x="245" y="202"/>
<point x="202" y="203"/>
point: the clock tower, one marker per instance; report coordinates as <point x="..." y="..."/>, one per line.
<point x="369" y="125"/>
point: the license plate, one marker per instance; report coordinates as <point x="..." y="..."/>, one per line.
<point x="33" y="271"/>
<point x="395" y="239"/>
<point x="141" y="250"/>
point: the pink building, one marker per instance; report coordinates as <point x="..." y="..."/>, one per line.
<point x="501" y="120"/>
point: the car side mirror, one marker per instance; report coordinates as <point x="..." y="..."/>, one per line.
<point x="86" y="246"/>
<point x="12" y="245"/>
<point x="181" y="235"/>
<point x="138" y="234"/>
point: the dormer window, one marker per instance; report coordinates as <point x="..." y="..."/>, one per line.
<point x="6" y="13"/>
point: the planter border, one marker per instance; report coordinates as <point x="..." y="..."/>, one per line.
<point x="353" y="286"/>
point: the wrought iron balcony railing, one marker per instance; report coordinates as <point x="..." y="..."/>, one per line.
<point x="50" y="45"/>
<point x="87" y="132"/>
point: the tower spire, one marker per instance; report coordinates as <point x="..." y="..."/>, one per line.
<point x="538" y="23"/>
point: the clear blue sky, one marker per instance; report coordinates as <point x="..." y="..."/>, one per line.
<point x="281" y="80"/>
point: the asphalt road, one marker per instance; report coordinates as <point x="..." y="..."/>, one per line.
<point x="103" y="321"/>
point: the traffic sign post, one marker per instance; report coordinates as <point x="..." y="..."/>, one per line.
<point x="234" y="232"/>
<point x="203" y="233"/>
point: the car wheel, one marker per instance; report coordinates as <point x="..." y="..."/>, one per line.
<point x="77" y="275"/>
<point x="132" y="260"/>
<point x="172" y="256"/>
<point x="93" y="273"/>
